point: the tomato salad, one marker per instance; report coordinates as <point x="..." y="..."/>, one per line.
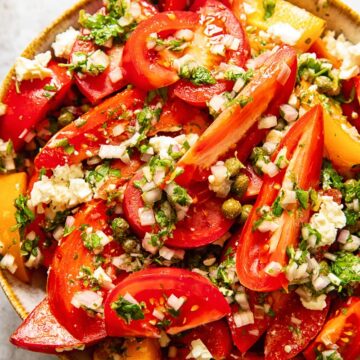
<point x="187" y="175"/>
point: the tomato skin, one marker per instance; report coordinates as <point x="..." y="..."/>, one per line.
<point x="252" y="250"/>
<point x="348" y="87"/>
<point x="156" y="284"/>
<point x="64" y="271"/>
<point x="199" y="95"/>
<point x="41" y="332"/>
<point x="27" y="108"/>
<point x="215" y="335"/>
<point x="203" y="224"/>
<point x="97" y="87"/>
<point x="344" y="324"/>
<point x="86" y="139"/>
<point x="233" y="123"/>
<point x="138" y="64"/>
<point x="169" y="5"/>
<point x="280" y="333"/>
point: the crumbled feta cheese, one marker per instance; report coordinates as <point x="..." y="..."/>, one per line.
<point x="26" y="69"/>
<point x="64" y="43"/>
<point x="285" y="32"/>
<point x="65" y="189"/>
<point x="8" y="263"/>
<point x="199" y="351"/>
<point x="345" y="51"/>
<point x="88" y="299"/>
<point x="329" y="218"/>
<point x="219" y="181"/>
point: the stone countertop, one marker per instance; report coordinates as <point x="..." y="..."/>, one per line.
<point x="22" y="20"/>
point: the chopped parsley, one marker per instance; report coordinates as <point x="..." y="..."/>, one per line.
<point x="269" y="8"/>
<point x="127" y="310"/>
<point x="303" y="197"/>
<point x="346" y="267"/>
<point x="23" y="215"/>
<point x="197" y="75"/>
<point x="330" y="178"/>
<point x="30" y="247"/>
<point x="91" y="240"/>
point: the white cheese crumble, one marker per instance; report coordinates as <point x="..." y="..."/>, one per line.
<point x="199" y="351"/>
<point x="64" y="43"/>
<point x="328" y="220"/>
<point x="26" y="69"/>
<point x="345" y="51"/>
<point x="65" y="189"/>
<point x="285" y="32"/>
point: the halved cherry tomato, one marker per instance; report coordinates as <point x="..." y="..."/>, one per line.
<point x="110" y="80"/>
<point x="215" y="336"/>
<point x="203" y="224"/>
<point x="43" y="333"/>
<point x="82" y="139"/>
<point x="152" y="288"/>
<point x="200" y="95"/>
<point x="341" y="330"/>
<point x="351" y="88"/>
<point x="236" y="355"/>
<point x="235" y="121"/>
<point x="140" y="64"/>
<point x="33" y="101"/>
<point x="70" y="256"/>
<point x="304" y="143"/>
<point x="216" y="13"/>
<point x="292" y="329"/>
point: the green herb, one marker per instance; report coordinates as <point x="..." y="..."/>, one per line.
<point x="276" y="207"/>
<point x="303" y="198"/>
<point x="68" y="230"/>
<point x="351" y="216"/>
<point x="171" y="44"/>
<point x="269" y="7"/>
<point x="92" y="241"/>
<point x="346" y="267"/>
<point x="30" y="247"/>
<point x="120" y="228"/>
<point x="164" y="324"/>
<point x="180" y="196"/>
<point x="23" y="215"/>
<point x="127" y="310"/>
<point x="197" y="75"/>
<point x="233" y="76"/>
<point x="88" y="279"/>
<point x="330" y="178"/>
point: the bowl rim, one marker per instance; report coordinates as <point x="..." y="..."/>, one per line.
<point x="30" y="51"/>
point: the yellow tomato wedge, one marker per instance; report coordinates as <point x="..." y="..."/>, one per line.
<point x="11" y="187"/>
<point x="132" y="349"/>
<point x="308" y="25"/>
<point x="342" y="143"/>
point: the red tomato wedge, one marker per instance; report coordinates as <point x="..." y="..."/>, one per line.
<point x="215" y="336"/>
<point x="304" y="143"/>
<point x="234" y="122"/>
<point x="200" y="95"/>
<point x="70" y="256"/>
<point x="42" y="332"/>
<point x="285" y="339"/>
<point x="140" y="64"/>
<point x="29" y="106"/>
<point x="82" y="139"/>
<point x="342" y="329"/>
<point x="152" y="288"/>
<point x="351" y="88"/>
<point x="110" y="80"/>
<point x="170" y="5"/>
<point x="203" y="224"/>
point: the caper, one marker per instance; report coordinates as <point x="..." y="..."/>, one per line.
<point x="231" y="208"/>
<point x="233" y="166"/>
<point x="129" y="245"/>
<point x="240" y="185"/>
<point x="328" y="86"/>
<point x="245" y="212"/>
<point x="120" y="227"/>
<point x="85" y="108"/>
<point x="65" y="118"/>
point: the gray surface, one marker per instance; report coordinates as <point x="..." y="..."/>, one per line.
<point x="21" y="20"/>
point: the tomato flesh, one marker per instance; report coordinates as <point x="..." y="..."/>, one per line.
<point x="153" y="287"/>
<point x="29" y="106"/>
<point x="43" y="333"/>
<point x="203" y="224"/>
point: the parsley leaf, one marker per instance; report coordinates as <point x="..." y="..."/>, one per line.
<point x="330" y="178"/>
<point x="303" y="198"/>
<point x="346" y="267"/>
<point x="127" y="310"/>
<point x="23" y="215"/>
<point x="269" y="7"/>
<point x="197" y="75"/>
